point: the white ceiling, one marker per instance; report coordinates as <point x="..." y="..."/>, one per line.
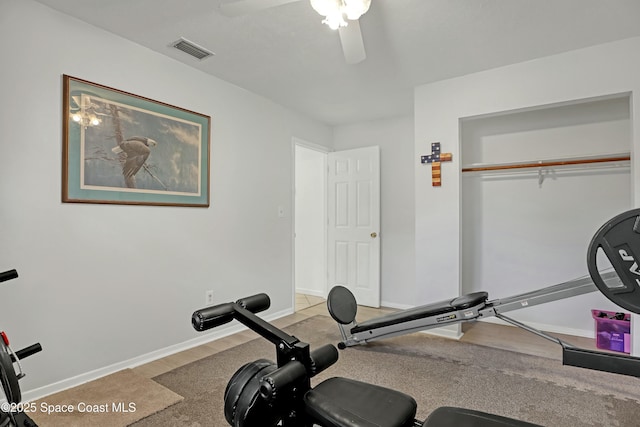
<point x="287" y="55"/>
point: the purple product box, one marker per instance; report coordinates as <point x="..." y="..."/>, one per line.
<point x="613" y="330"/>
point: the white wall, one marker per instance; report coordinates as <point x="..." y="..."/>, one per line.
<point x="395" y="139"/>
<point x="310" y="221"/>
<point x="102" y="287"/>
<point x="597" y="71"/>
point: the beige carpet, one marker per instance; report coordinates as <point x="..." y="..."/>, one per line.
<point x="116" y="400"/>
<point x="435" y="371"/>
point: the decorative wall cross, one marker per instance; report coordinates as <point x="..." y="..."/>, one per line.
<point x="435" y="158"/>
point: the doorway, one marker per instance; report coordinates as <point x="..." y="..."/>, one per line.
<point x="310" y="224"/>
<point x="336" y="222"/>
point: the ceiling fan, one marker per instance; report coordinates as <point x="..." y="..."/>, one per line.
<point x="342" y="15"/>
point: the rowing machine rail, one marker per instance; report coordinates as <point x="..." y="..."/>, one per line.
<point x="473" y="307"/>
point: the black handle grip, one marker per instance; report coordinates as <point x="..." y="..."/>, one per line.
<point x="255" y="303"/>
<point x="322" y="358"/>
<point x="281" y="378"/>
<point x="27" y="351"/>
<point x="8" y="275"/>
<point x="211" y="317"/>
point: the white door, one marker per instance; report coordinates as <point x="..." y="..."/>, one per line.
<point x="353" y="204"/>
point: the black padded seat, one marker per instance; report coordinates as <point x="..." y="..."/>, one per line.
<point x="342" y="402"/>
<point x="458" y="417"/>
<point x="435" y="309"/>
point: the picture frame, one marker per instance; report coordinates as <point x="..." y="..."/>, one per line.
<point x="121" y="148"/>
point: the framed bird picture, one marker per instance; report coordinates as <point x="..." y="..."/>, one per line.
<point x="126" y="149"/>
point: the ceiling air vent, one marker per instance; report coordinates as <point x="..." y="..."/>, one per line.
<point x="192" y="49"/>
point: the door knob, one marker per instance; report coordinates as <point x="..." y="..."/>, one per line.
<point x="374" y="235"/>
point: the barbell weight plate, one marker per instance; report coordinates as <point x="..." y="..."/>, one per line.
<point x="619" y="240"/>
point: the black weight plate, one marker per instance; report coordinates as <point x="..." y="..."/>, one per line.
<point x="8" y="376"/>
<point x="619" y="240"/>
<point x="237" y="383"/>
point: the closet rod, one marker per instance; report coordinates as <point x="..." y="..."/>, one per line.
<point x="541" y="164"/>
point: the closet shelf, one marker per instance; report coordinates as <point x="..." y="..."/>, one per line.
<point x="482" y="167"/>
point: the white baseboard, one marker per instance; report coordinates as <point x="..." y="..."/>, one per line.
<point x="38" y="393"/>
<point x="397" y="306"/>
<point x="314" y="292"/>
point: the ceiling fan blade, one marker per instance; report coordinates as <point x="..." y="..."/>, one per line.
<point x="245" y="7"/>
<point x="352" y="43"/>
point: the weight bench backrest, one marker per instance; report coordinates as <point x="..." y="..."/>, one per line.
<point x="342" y="402"/>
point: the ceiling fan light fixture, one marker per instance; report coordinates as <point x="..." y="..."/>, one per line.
<point x="335" y="11"/>
<point x="334" y="21"/>
<point x="354" y="9"/>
